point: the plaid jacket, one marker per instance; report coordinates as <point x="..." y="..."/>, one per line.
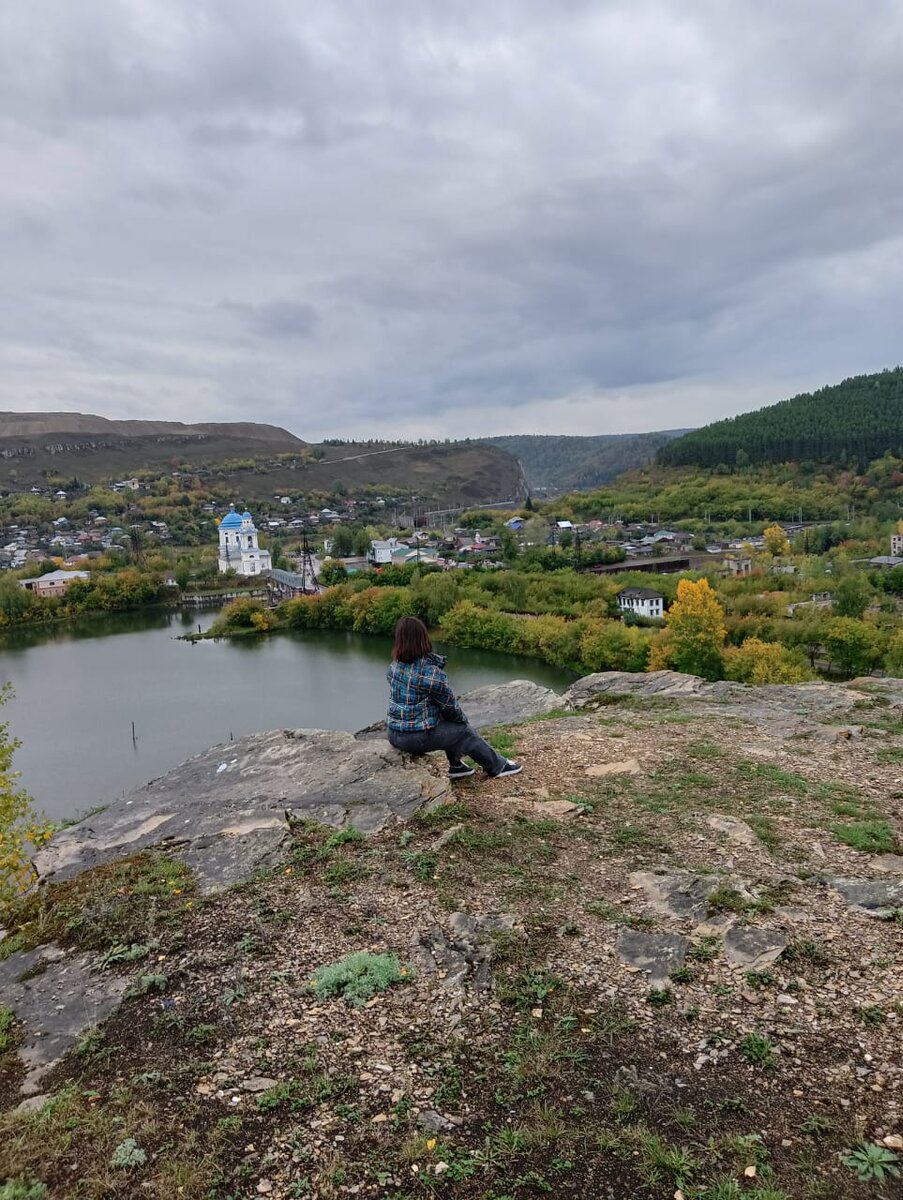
<point x="419" y="695"/>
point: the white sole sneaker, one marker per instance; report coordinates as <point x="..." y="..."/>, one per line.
<point x="510" y="768"/>
<point x="461" y="773"/>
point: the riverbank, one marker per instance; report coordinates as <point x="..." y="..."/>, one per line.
<point x="663" y="959"/>
<point x="78" y="689"/>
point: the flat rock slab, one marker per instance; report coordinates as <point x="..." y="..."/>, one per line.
<point x="226" y="812"/>
<point x="630" y="766"/>
<point x="61" y="1000"/>
<point x="891" y="864"/>
<point x="508" y="703"/>
<point x="736" y="830"/>
<point x="625" y="683"/>
<point x="875" y="897"/>
<point x="682" y="894"/>
<point x="658" y="954"/>
<point x="752" y="947"/>
<point x="463" y="953"/>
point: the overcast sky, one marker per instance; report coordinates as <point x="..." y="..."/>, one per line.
<point x="446" y="218"/>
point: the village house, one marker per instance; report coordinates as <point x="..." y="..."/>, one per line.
<point x="896" y="545"/>
<point x="642" y="602"/>
<point x="382" y="552"/>
<point x="738" y="564"/>
<point x="53" y="583"/>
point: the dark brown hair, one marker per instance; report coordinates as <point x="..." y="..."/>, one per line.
<point x="411" y="640"/>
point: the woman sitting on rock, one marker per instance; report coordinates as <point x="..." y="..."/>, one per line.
<point x="424" y="713"/>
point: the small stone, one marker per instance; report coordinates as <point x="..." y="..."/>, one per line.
<point x="787" y="1001"/>
<point x="264" y="1186"/>
<point x="33" y="1104"/>
<point x="257" y="1083"/>
<point x="893" y="1141"/>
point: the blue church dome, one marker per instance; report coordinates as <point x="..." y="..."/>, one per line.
<point x="231" y="520"/>
<point x="246" y="516"/>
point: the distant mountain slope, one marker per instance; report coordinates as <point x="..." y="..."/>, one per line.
<point x="254" y="459"/>
<point x="34" y="446"/>
<point x="849" y="423"/>
<point x="570" y="463"/>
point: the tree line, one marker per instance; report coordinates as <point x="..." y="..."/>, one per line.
<point x="846" y="424"/>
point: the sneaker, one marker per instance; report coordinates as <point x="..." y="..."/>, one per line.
<point x="460" y="772"/>
<point x="510" y="768"/>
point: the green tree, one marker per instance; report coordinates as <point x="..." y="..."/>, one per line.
<point x="342" y="542"/>
<point x="332" y="571"/>
<point x="851" y="596"/>
<point x="853" y="646"/>
<point x="183" y="573"/>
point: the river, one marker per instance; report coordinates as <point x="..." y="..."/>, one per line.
<point x="79" y="687"/>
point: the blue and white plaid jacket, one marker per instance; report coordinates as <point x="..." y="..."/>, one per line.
<point x="419" y="695"/>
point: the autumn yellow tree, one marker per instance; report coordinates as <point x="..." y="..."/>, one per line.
<point x="757" y="661"/>
<point x="21" y="830"/>
<point x="693" y="639"/>
<point x="776" y="541"/>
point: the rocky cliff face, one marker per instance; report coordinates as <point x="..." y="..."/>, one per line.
<point x="678" y="927"/>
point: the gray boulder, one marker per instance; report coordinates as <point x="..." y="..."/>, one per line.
<point x="494" y="704"/>
<point x="227" y="812"/>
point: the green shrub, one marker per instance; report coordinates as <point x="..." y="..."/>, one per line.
<point x="358" y="977"/>
<point x="18" y="1189"/>
<point x="128" y="1154"/>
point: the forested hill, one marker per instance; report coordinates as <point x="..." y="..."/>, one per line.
<point x="563" y="464"/>
<point x="847" y="424"/>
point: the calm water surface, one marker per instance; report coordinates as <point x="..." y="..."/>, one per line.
<point x="79" y="688"/>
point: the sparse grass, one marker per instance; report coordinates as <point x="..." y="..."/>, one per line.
<point x="727" y="899"/>
<point x="611" y="912"/>
<point x="442" y="816"/>
<point x="758" y="1049"/>
<point x="7" y="1028"/>
<point x="637" y="837"/>
<point x="707" y="751"/>
<point x="502" y="740"/>
<point x="889" y="754"/>
<point x="807" y="951"/>
<point x="764" y="828"/>
<point x="870" y="837"/>
<point x="421" y="863"/>
<point x="127" y="903"/>
<point x="705" y="949"/>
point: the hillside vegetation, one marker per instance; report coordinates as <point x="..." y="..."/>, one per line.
<point x="569" y="463"/>
<point x="846" y="424"/>
<point x="255" y="460"/>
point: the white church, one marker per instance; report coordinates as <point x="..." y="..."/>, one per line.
<point x="238" y="548"/>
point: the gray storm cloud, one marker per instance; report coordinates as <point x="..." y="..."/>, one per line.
<point x="425" y="218"/>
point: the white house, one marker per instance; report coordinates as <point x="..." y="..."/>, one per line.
<point x="54" y="583"/>
<point x="642" y="602"/>
<point x="238" y="548"/>
<point x="381" y="553"/>
<point x="896" y="545"/>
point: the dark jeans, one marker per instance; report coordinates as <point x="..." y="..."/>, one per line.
<point x="455" y="739"/>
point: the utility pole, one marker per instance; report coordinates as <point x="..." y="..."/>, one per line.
<point x="310" y="585"/>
